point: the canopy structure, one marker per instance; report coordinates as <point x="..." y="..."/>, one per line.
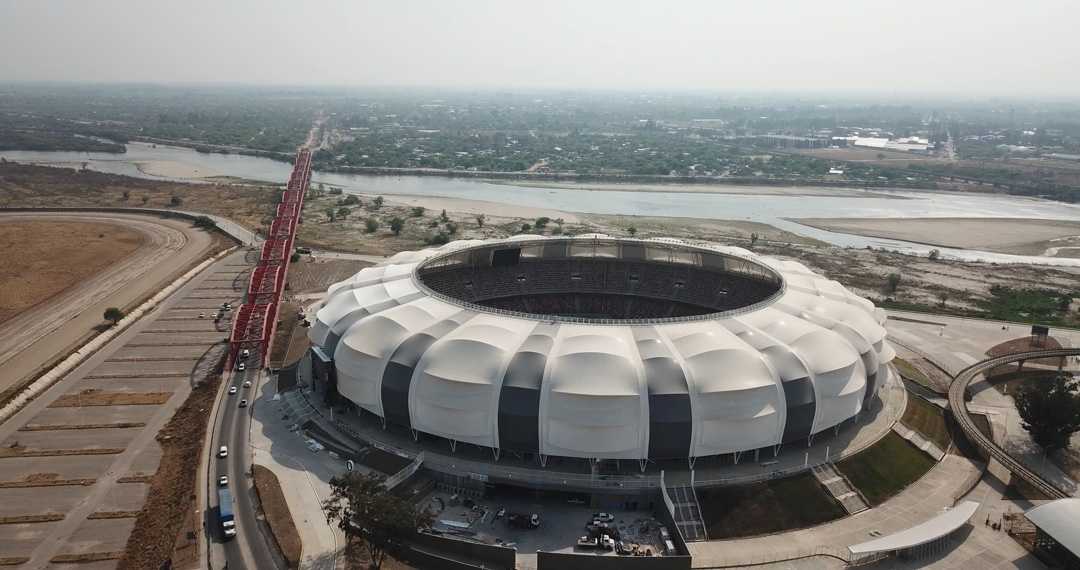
<point x="1060" y="520"/>
<point x="919" y="535"/>
<point x="602" y="348"/>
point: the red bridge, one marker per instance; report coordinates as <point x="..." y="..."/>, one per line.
<point x="256" y="319"/>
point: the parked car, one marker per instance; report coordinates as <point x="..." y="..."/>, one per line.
<point x="223" y="481"/>
<point x="245" y="353"/>
<point x="243" y="403"/>
<point x="202" y="315"/>
<point x="603" y="517"/>
<point x="247" y="383"/>
<point x="223" y="451"/>
<point x="232" y="390"/>
<point x="241" y="367"/>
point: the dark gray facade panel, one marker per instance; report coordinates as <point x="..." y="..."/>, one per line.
<point x="664" y="376"/>
<point x="871" y="387"/>
<point x="801" y="407"/>
<point x="556" y="250"/>
<point x="331" y="343"/>
<point x="633" y="251"/>
<point x="398" y="376"/>
<point x="519" y="419"/>
<point x="670" y="426"/>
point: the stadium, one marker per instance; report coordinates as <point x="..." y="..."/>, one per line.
<point x="594" y="347"/>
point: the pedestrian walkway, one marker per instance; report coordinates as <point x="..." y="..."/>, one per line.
<point x="688" y="513"/>
<point x="840" y="488"/>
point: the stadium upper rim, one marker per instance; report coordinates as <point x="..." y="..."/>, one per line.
<point x="653" y="243"/>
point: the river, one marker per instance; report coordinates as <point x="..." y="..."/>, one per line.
<point x="769" y="209"/>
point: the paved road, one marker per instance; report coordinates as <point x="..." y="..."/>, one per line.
<point x="38" y="336"/>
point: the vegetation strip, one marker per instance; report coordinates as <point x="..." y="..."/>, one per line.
<point x="7" y="452"/>
<point x="61" y="427"/>
<point x="28" y="519"/>
<point x="928" y="420"/>
<point x="13" y="560"/>
<point x="113" y="515"/>
<point x="29" y="483"/>
<point x="111" y="399"/>
<point x="86" y="557"/>
<point x="172" y="487"/>
<point x="277" y="515"/>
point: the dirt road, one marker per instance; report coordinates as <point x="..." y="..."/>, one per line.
<point x="38" y="336"/>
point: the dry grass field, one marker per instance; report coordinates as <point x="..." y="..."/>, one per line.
<point x="43" y="258"/>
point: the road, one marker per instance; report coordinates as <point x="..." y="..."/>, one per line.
<point x="232" y="428"/>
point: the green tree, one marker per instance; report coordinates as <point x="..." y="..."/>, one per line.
<point x="443" y="217"/>
<point x="127" y="194"/>
<point x="1050" y="411"/>
<point x="542" y="222"/>
<point x="205" y="222"/>
<point x="632" y="231"/>
<point x="753" y="239"/>
<point x="175" y="200"/>
<point x="480" y="219"/>
<point x="396" y="225"/>
<point x="343" y="212"/>
<point x="525" y="228"/>
<point x="366" y="512"/>
<point x="331" y="214"/>
<point x="113" y="315"/>
<point x="377" y="202"/>
<point x="934" y="255"/>
<point x="371" y="225"/>
<point x="418" y="212"/>
<point x="892" y="282"/>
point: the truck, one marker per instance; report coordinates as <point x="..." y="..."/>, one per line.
<point x="225" y="513"/>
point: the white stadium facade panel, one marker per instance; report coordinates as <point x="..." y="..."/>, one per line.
<point x="602" y="348"/>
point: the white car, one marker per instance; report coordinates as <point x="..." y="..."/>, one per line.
<point x="232" y="390"/>
<point x="223" y="481"/>
<point x="247" y="383"/>
<point x="202" y="315"/>
<point x="223" y="452"/>
<point x="604" y="517"/>
<point x="243" y="403"/>
<point x="241" y="367"/>
<point x="245" y="353"/>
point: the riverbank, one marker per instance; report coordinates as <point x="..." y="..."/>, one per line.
<point x="1053" y="238"/>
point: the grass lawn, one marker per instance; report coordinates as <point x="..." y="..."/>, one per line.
<point x="908" y="370"/>
<point x="928" y="420"/>
<point x="886" y="468"/>
<point x="762" y="508"/>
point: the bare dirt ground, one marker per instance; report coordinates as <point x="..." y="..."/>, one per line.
<point x="1016" y="236"/>
<point x="40" y="186"/>
<point x="277" y="514"/>
<point x="312" y="275"/>
<point x="44" y="258"/>
<point x="45" y="332"/>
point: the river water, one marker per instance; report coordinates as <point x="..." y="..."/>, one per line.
<point x="769" y="209"/>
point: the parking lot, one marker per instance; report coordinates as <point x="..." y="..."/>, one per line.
<point x="562" y="523"/>
<point x="75" y="463"/>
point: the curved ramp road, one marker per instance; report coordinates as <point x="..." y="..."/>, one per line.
<point x="36" y="337"/>
<point x="960" y="411"/>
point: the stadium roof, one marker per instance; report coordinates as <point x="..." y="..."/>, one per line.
<point x="1061" y="520"/>
<point x="805" y="359"/>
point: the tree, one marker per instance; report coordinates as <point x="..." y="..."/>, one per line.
<point x="525" y="227"/>
<point x="443" y="217"/>
<point x="377" y="202"/>
<point x="331" y="213"/>
<point x="892" y="282"/>
<point x="127" y="194"/>
<point x="933" y="255"/>
<point x="943" y="297"/>
<point x="632" y="231"/>
<point x="350" y="200"/>
<point x="366" y="511"/>
<point x="371" y="225"/>
<point x="113" y="315"/>
<point x="451" y="228"/>
<point x="205" y="222"/>
<point x="418" y="212"/>
<point x="480" y="219"/>
<point x="1050" y="411"/>
<point x="396" y="225"/>
<point x="542" y="222"/>
<point x="753" y="239"/>
<point x="175" y="200"/>
<point x="343" y="212"/>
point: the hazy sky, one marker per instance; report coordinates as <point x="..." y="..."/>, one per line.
<point x="974" y="48"/>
